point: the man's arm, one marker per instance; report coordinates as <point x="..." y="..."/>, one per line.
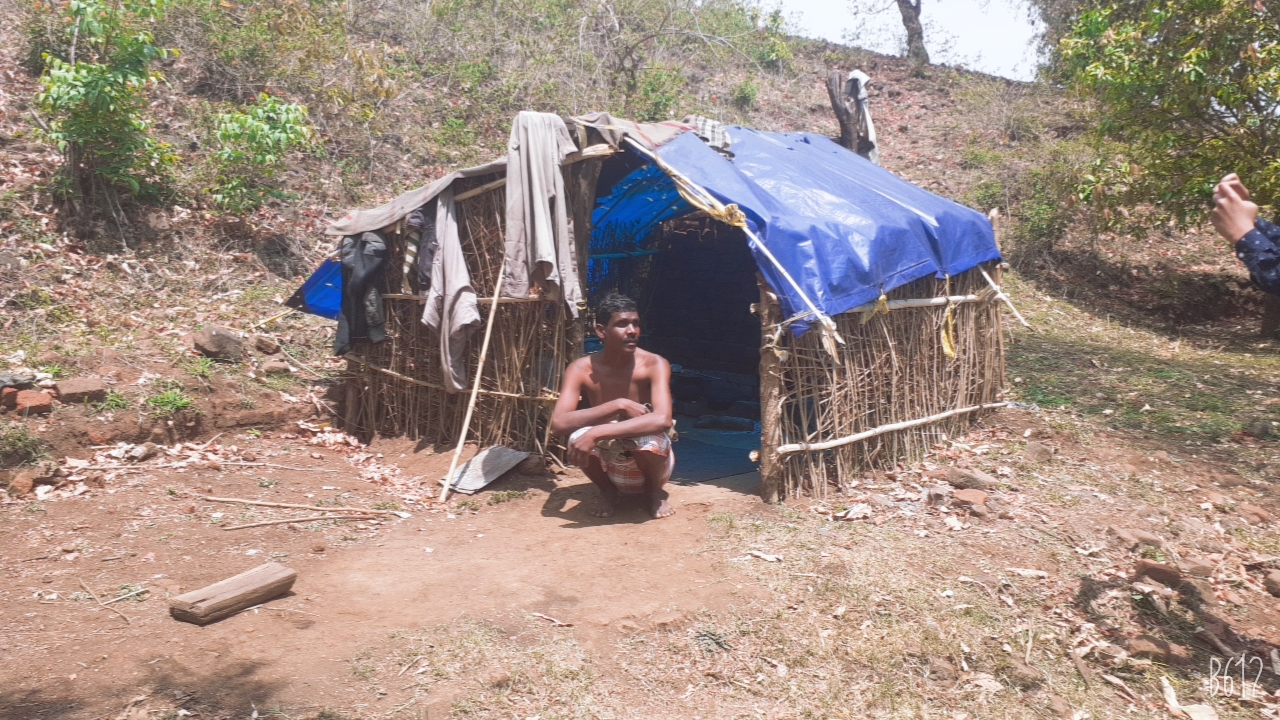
<point x="566" y="418"/>
<point x="1260" y="254"/>
<point x="651" y="423"/>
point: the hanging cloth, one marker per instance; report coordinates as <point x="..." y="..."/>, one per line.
<point x="453" y="310"/>
<point x="540" y="256"/>
<point x="364" y="258"/>
<point x="867" y="147"/>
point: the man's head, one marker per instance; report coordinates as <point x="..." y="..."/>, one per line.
<point x="618" y="322"/>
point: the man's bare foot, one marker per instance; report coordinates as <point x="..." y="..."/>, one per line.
<point x="658" y="505"/>
<point x="606" y="506"/>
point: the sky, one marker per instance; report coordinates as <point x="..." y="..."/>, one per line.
<point x="991" y="36"/>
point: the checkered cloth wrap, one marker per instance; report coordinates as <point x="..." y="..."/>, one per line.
<point x="712" y="133"/>
<point x="615" y="455"/>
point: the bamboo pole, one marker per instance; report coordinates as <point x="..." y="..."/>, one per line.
<point x="771" y="395"/>
<point x="475" y="389"/>
<point x="892" y="427"/>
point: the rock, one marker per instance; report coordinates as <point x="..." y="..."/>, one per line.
<point x="1131" y="538"/>
<point x="943" y="669"/>
<point x="970" y="479"/>
<point x="33" y="402"/>
<point x="628" y="626"/>
<point x="95" y="479"/>
<point x="21" y="484"/>
<point x="276" y="367"/>
<point x="980" y="511"/>
<point x="9" y="398"/>
<point x="970" y="497"/>
<point x="937" y="495"/>
<point x="80" y="390"/>
<point x="17" y="379"/>
<point x="1247" y="510"/>
<point x="1259" y="428"/>
<point x="1038" y="452"/>
<point x="317" y="548"/>
<point x="1161" y="573"/>
<point x="998" y="509"/>
<point x="497" y="679"/>
<point x="1160" y="456"/>
<point x="190" y="509"/>
<point x="1217" y="499"/>
<point x="218" y="343"/>
<point x="666" y="621"/>
<point x="145" y="451"/>
<point x="1271" y="581"/>
<point x="265" y="345"/>
<point x="880" y="500"/>
<point x="1162" y="651"/>
<point x="1022" y="675"/>
<point x="1061" y="708"/>
<point x="1197" y="588"/>
<point x="1197" y="566"/>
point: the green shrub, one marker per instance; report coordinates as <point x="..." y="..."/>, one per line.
<point x="1042" y="213"/>
<point x="988" y="194"/>
<point x="744" y="94"/>
<point x="658" y="94"/>
<point x="94" y="99"/>
<point x="19" y="447"/>
<point x="115" y="400"/>
<point x="169" y="403"/>
<point x="254" y="143"/>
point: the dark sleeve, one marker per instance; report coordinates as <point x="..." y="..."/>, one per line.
<point x="1259" y="252"/>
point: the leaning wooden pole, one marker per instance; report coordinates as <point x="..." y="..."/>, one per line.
<point x="475" y="386"/>
<point x="770" y="394"/>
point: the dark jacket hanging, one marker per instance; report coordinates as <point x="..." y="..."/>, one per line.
<point x="364" y="259"/>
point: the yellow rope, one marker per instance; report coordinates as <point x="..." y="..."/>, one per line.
<point x="949" y="326"/>
<point x="881" y="308"/>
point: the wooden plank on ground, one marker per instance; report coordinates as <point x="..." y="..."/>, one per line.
<point x="228" y="597"/>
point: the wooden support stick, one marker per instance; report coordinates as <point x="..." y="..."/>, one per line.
<point x="892" y="427"/>
<point x="226" y="598"/>
<point x="284" y="521"/>
<point x="475" y="388"/>
<point x="264" y="503"/>
<point x="1001" y="296"/>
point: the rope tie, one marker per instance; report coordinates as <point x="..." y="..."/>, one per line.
<point x="881" y="308"/>
<point x="949" y="326"/>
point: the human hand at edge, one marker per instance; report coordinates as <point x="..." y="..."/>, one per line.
<point x="628" y="409"/>
<point x="1234" y="213"/>
<point x="580" y="449"/>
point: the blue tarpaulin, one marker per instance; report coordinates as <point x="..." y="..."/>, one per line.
<point x="844" y="228"/>
<point x="321" y="294"/>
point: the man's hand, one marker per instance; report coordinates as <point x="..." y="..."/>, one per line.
<point x="580" y="449"/>
<point x="1234" y="213"/>
<point x="628" y="409"/>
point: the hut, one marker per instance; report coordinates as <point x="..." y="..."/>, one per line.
<point x="855" y="316"/>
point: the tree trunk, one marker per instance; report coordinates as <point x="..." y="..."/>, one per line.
<point x="770" y="396"/>
<point x="844" y="114"/>
<point x="915" y="32"/>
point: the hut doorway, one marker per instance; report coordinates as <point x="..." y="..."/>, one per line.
<point x="694" y="280"/>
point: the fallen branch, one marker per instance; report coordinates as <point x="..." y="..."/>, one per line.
<point x="127" y="621"/>
<point x="554" y="622"/>
<point x="892" y="427"/>
<point x="309" y="518"/>
<point x="295" y="506"/>
<point x="125" y="597"/>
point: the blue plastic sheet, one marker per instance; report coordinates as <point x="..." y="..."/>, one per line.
<point x="321" y="294"/>
<point x="844" y="228"/>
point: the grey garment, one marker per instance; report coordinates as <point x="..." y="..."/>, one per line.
<point x="856" y="87"/>
<point x="358" y="221"/>
<point x="614" y="130"/>
<point x="541" y="258"/>
<point x="452" y="308"/>
<point x="711" y="132"/>
<point x="422" y="225"/>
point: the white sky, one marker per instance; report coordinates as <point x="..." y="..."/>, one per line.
<point x="991" y="36"/>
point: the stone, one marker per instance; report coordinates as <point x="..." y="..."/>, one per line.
<point x="9" y="398"/>
<point x="628" y="626"/>
<point x="1259" y="428"/>
<point x="80" y="390"/>
<point x="17" y="379"/>
<point x="145" y="451"/>
<point x="218" y="343"/>
<point x="1162" y="651"/>
<point x="1217" y="499"/>
<point x="265" y="345"/>
<point x="317" y="548"/>
<point x="1227" y="481"/>
<point x="1160" y="456"/>
<point x="1037" y="452"/>
<point x="1159" y="572"/>
<point x="1272" y="582"/>
<point x="1246" y="509"/>
<point x="970" y="497"/>
<point x="666" y="621"/>
<point x="1061" y="708"/>
<point x="937" y="495"/>
<point x="1198" y="588"/>
<point x="1197" y="566"/>
<point x="497" y="679"/>
<point x="1131" y="538"/>
<point x="95" y="479"/>
<point x="970" y="479"/>
<point x="21" y="484"/>
<point x="943" y="669"/>
<point x="1022" y="675"/>
<point x="33" y="402"/>
<point x="276" y="367"/>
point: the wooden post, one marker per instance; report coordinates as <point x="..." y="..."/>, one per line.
<point x="475" y="386"/>
<point x="770" y="396"/>
<point x="844" y="114"/>
<point x="226" y="598"/>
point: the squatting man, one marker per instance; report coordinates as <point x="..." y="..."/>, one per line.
<point x="615" y="411"/>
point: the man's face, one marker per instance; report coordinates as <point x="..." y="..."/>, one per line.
<point x="622" y="332"/>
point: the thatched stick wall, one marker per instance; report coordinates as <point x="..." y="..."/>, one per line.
<point x="890" y="369"/>
<point x="397" y="387"/>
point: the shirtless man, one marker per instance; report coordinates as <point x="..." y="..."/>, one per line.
<point x="620" y="440"/>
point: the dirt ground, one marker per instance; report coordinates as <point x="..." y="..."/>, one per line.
<point x="518" y="603"/>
